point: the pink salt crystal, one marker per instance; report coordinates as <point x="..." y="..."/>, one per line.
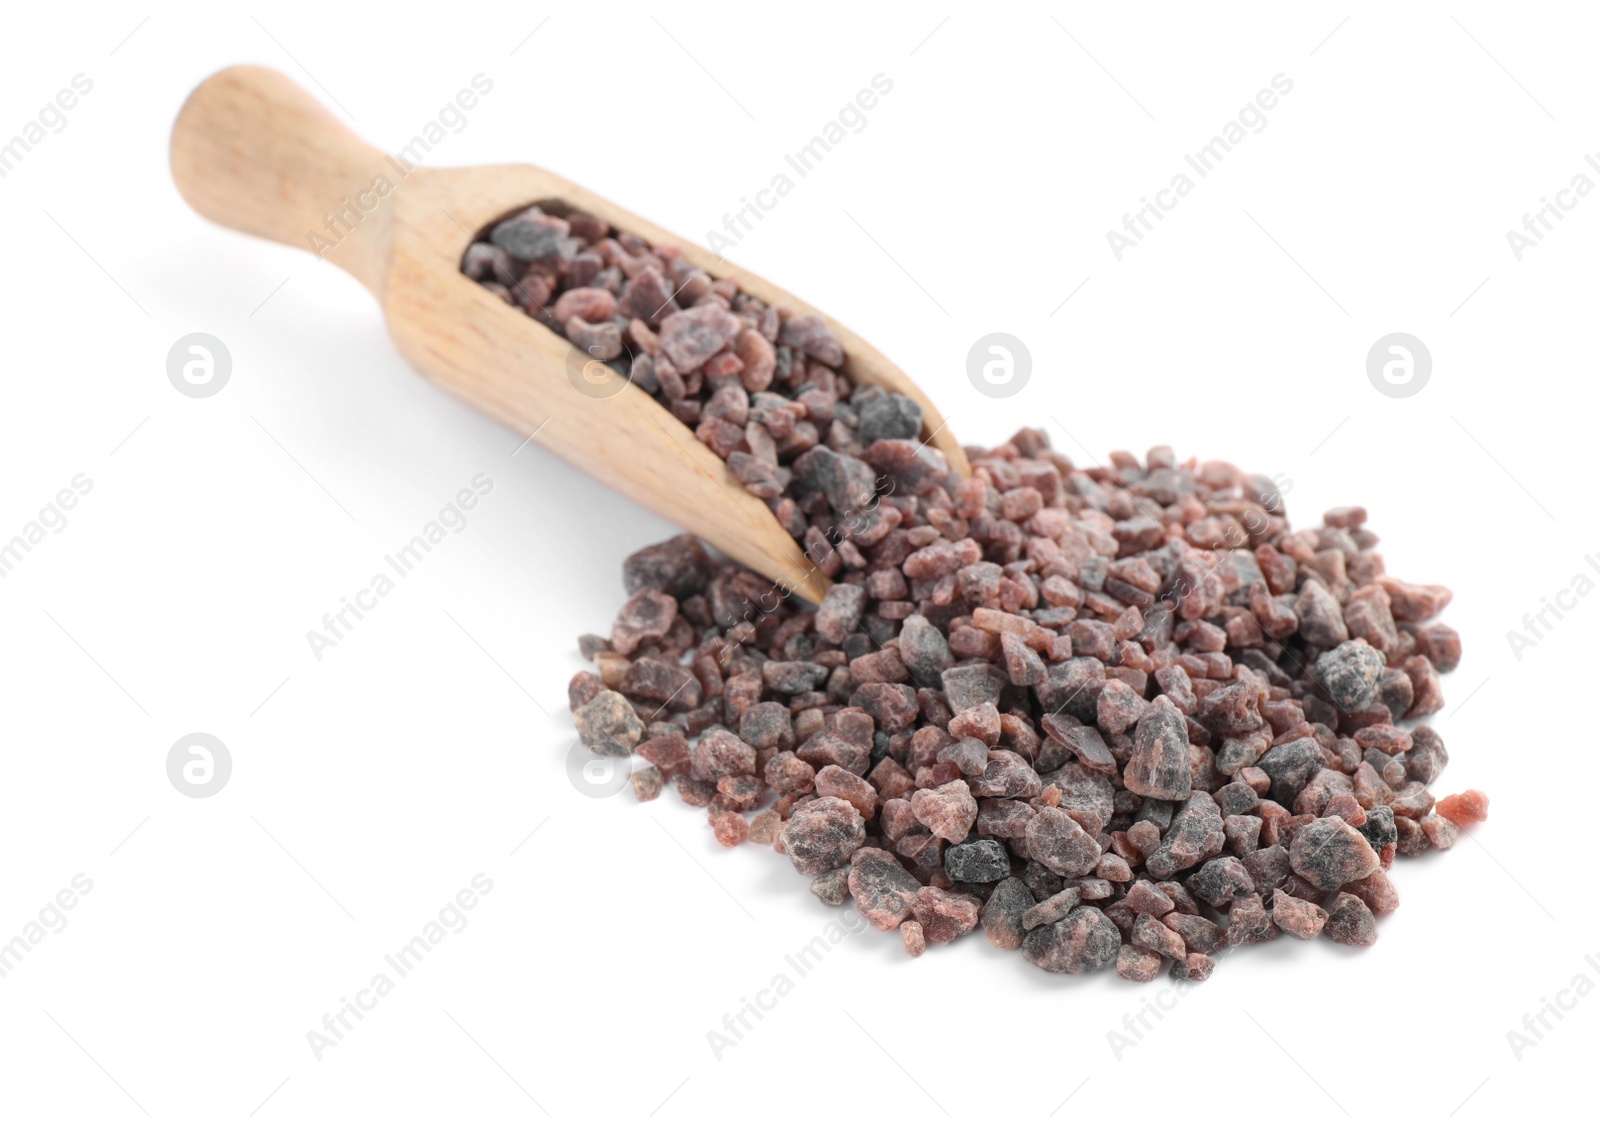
<point x="1324" y="786"/>
<point x="532" y="292"/>
<point x="1060" y="844"/>
<point x="1441" y="645"/>
<point x="845" y="740"/>
<point x="940" y="560"/>
<point x="1195" y="968"/>
<point x="486" y="261"/>
<point x="1250" y="922"/>
<point x="1051" y="909"/>
<point x="740" y="792"/>
<point x="722" y="365"/>
<point x="787" y="804"/>
<point x="1440" y="831"/>
<point x="721" y="436"/>
<point x="1119" y="707"/>
<point x="694" y="793"/>
<point x="1083" y="942"/>
<point x="591" y="304"/>
<point x="721" y="753"/>
<point x="644" y="337"/>
<point x="1300" y="889"/>
<point x="1300" y="918"/>
<point x="831" y="888"/>
<point x="1113" y="868"/>
<point x="1060" y="592"/>
<point x="911" y="934"/>
<point x="808" y="721"/>
<point x="1274" y="822"/>
<point x="1427" y="693"/>
<point x="1255" y="778"/>
<point x="893" y="707"/>
<point x="1330" y="854"/>
<point x="760" y="361"/>
<point x="1003" y="913"/>
<point x="788" y="774"/>
<point x="1198" y="933"/>
<point x="1243" y="833"/>
<point x="648" y="299"/>
<point x="1179" y="895"/>
<point x="882" y="888"/>
<point x="1385" y="737"/>
<point x="647" y="783"/>
<point x="648" y="614"/>
<point x="1376" y="891"/>
<point x="1350" y="922"/>
<point x="1151" y="933"/>
<point x="948" y="811"/>
<point x="876" y="667"/>
<point x="995" y="621"/>
<point x="932" y="743"/>
<point x="1145" y="836"/>
<point x="836" y="782"/>
<point x="730" y="828"/>
<point x="1023" y="666"/>
<point x="1126" y="849"/>
<point x="670" y="752"/>
<point x="1146" y="897"/>
<point x="968" y="643"/>
<point x="601" y="340"/>
<point x="1136" y="964"/>
<point x="1464" y="809"/>
<point x="583" y="687"/>
<point x="820" y="835"/>
<point x="945" y="916"/>
<point x="981" y="722"/>
<point x="1348" y="517"/>
<point x="890" y="780"/>
<point x="810" y="334"/>
<point x="1370" y="788"/>
<point x="662" y="683"/>
<point x="692" y="337"/>
<point x="1003" y="817"/>
<point x="675" y="389"/>
<point x="1412" y="841"/>
<point x="1413" y="802"/>
<point x="764" y="827"/>
<point x="1160" y="767"/>
<point x="1347" y="809"/>
<point x="897" y="820"/>
<point x="1020" y="503"/>
<point x="1414" y="602"/>
<point x="1095" y="888"/>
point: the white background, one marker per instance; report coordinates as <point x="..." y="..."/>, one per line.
<point x="431" y="745"/>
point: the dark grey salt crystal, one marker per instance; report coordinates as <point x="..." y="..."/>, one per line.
<point x="1350" y="674"/>
<point x="887" y="416"/>
<point x="977" y="861"/>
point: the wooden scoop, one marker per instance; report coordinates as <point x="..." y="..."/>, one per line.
<point x="253" y="151"/>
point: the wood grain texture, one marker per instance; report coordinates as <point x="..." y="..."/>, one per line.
<point x="253" y="151"/>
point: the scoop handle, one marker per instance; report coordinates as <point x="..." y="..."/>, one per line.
<point x="253" y="151"/>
